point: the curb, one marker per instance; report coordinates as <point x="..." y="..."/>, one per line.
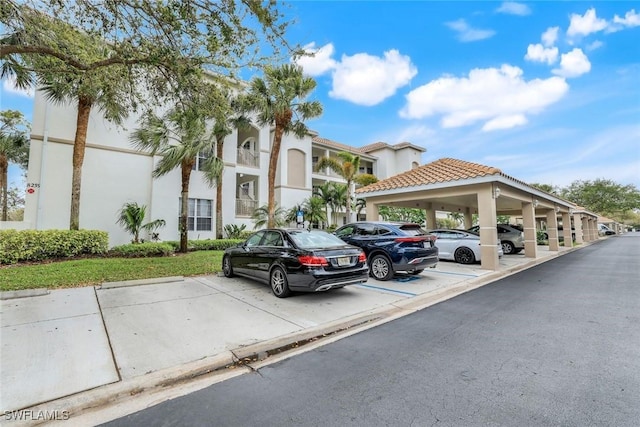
<point x="25" y="293"/>
<point x="140" y="282"/>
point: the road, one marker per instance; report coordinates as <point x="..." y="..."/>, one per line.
<point x="557" y="344"/>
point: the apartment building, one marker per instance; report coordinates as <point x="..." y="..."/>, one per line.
<point x="115" y="173"/>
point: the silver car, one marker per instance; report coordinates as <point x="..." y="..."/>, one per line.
<point x="458" y="245"/>
<point x="512" y="238"/>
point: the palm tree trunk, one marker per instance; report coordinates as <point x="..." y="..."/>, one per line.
<point x="219" y="146"/>
<point x="4" y="195"/>
<point x="79" y="145"/>
<point x="185" y="170"/>
<point x="273" y="164"/>
<point x="348" y="201"/>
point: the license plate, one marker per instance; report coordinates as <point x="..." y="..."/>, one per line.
<point x="344" y="261"/>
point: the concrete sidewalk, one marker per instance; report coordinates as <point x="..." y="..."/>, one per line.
<point x="68" y="350"/>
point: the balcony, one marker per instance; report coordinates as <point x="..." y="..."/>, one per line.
<point x="245" y="207"/>
<point x="248" y="158"/>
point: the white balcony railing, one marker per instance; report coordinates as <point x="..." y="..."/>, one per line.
<point x="248" y="158"/>
<point x="245" y="207"/>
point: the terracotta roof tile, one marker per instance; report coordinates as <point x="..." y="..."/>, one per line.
<point x="442" y="170"/>
<point x="336" y="145"/>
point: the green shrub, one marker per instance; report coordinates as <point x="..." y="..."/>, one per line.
<point x="38" y="245"/>
<point x="233" y="231"/>
<point x="207" y="245"/>
<point x="540" y="238"/>
<point x="138" y="250"/>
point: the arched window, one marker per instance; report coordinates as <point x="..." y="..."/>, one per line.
<point x="414" y="165"/>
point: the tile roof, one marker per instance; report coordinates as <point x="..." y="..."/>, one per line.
<point x="367" y="148"/>
<point x="442" y="170"/>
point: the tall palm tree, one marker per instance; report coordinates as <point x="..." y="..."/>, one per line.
<point x="347" y="165"/>
<point x="179" y="136"/>
<point x="227" y="118"/>
<point x="279" y="100"/>
<point x="14" y="147"/>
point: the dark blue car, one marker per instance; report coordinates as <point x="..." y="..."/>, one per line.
<point x="392" y="246"/>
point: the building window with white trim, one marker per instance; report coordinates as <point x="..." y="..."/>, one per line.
<point x="201" y="158"/>
<point x="200" y="215"/>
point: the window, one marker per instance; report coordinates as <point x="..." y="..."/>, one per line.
<point x="255" y="239"/>
<point x="199" y="215"/>
<point x="201" y="158"/>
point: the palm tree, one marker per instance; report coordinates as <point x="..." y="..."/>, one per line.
<point x="131" y="218"/>
<point x="347" y="166"/>
<point x="14" y="147"/>
<point x="279" y="101"/>
<point x="314" y="210"/>
<point x="227" y="118"/>
<point x="260" y="217"/>
<point x="325" y="192"/>
<point x="179" y="136"/>
<point x="340" y="199"/>
<point x="110" y="89"/>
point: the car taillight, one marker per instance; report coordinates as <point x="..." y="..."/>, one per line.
<point x="411" y="239"/>
<point x="313" y="261"/>
<point x="362" y="257"/>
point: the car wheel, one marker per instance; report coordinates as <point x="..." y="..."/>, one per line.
<point x="508" y="248"/>
<point x="464" y="256"/>
<point x="416" y="272"/>
<point x="381" y="268"/>
<point x="226" y="266"/>
<point x="279" y="283"/>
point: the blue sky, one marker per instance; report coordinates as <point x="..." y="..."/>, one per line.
<point x="548" y="92"/>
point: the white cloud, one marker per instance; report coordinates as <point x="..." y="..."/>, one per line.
<point x="9" y="86"/>
<point x="467" y="33"/>
<point x="513" y="8"/>
<point x="631" y="19"/>
<point x="539" y="53"/>
<point x="500" y="98"/>
<point x="573" y="64"/>
<point x="595" y="45"/>
<point x="320" y="62"/>
<point x="583" y="25"/>
<point x="550" y="36"/>
<point x="368" y="80"/>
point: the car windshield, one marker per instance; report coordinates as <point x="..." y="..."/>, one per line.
<point x="315" y="239"/>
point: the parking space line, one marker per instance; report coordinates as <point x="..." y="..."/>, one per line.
<point x="454" y="274"/>
<point x="379" y="288"/>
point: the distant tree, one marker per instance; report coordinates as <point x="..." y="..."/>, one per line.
<point x="15" y="204"/>
<point x="279" y="101"/>
<point x="365" y="179"/>
<point x="457" y="217"/>
<point x="546" y="187"/>
<point x="131" y="218"/>
<point x="325" y="192"/>
<point x="14" y="148"/>
<point x="361" y="204"/>
<point x="604" y="197"/>
<point x="391" y="213"/>
<point x="339" y="199"/>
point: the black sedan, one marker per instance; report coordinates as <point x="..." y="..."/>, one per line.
<point x="296" y="260"/>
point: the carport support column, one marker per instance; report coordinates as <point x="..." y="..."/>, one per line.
<point x="529" y="225"/>
<point x="585" y="229"/>
<point x="488" y="232"/>
<point x="577" y="224"/>
<point x="431" y="216"/>
<point x="372" y="212"/>
<point x="552" y="230"/>
<point x="468" y="219"/>
<point x="566" y="230"/>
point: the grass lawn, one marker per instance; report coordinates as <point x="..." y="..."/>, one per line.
<point x="93" y="271"/>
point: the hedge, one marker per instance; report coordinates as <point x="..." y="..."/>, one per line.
<point x="37" y="245"/>
<point x="147" y="249"/>
<point x="207" y="245"/>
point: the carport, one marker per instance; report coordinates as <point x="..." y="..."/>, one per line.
<point x="452" y="185"/>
